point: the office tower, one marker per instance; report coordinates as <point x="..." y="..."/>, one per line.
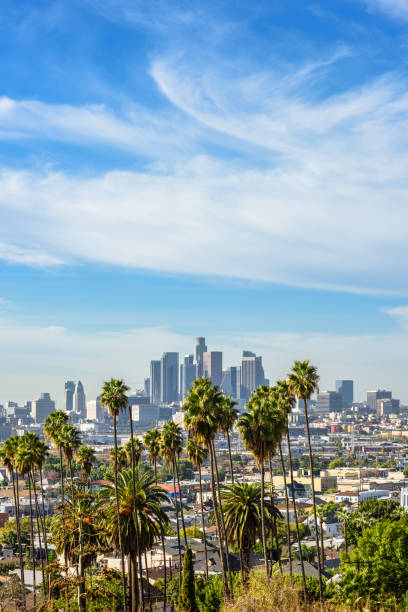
<point x="231" y="382"/>
<point x="346" y="390"/>
<point x="187" y="375"/>
<point x="169" y="377"/>
<point x="328" y="401"/>
<point x="79" y="400"/>
<point x="155" y="381"/>
<point x="373" y="396"/>
<point x="199" y="349"/>
<point x="69" y="395"/>
<point x="42" y="407"/>
<point x="94" y="410"/>
<point x="146" y="386"/>
<point x="212" y="366"/>
<point x="386" y="407"/>
<point x="252" y="373"/>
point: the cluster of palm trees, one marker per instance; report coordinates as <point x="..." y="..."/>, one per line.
<point x="126" y="514"/>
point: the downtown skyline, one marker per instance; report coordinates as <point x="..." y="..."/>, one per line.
<point x="254" y="193"/>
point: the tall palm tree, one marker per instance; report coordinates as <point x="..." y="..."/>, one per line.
<point x="8" y="459"/>
<point x="171" y="447"/>
<point x="202" y="407"/>
<point x="70" y="442"/>
<point x="145" y="506"/>
<point x="120" y="457"/>
<point x="286" y="401"/>
<point x="303" y="381"/>
<point x="342" y="515"/>
<point x="137" y="451"/>
<point x="115" y="399"/>
<point x="24" y="463"/>
<point x="227" y="418"/>
<point x="197" y="454"/>
<point x="260" y="431"/>
<point x="243" y="517"/>
<point x="321" y="513"/>
<point x="151" y="441"/>
<point x="86" y="459"/>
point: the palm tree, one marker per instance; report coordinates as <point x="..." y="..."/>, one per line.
<point x="8" y="459"/>
<point x="120" y="457"/>
<point x="342" y="515"/>
<point x="145" y="506"/>
<point x="197" y="455"/>
<point x="151" y="441"/>
<point x="202" y="407"/>
<point x="260" y="432"/>
<point x="171" y="447"/>
<point x="114" y="398"/>
<point x="86" y="458"/>
<point x="70" y="442"/>
<point x="286" y="401"/>
<point x="303" y="381"/>
<point x="137" y="451"/>
<point x="228" y="416"/>
<point x="24" y="463"/>
<point x="243" y="517"/>
<point x="321" y="513"/>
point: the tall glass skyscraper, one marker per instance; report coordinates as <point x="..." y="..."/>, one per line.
<point x="169" y="377"/>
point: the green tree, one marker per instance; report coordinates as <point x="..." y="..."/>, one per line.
<point x="376" y="572"/>
<point x="187" y="600"/>
<point x="119" y="457"/>
<point x="370" y="512"/>
<point x="243" y="517"/>
<point x="114" y="397"/>
<point x="339" y="462"/>
<point x="303" y="381"/>
<point x="86" y="459"/>
<point x="197" y="455"/>
<point x="8" y="459"/>
<point x="202" y="409"/>
<point x="151" y="441"/>
<point x="342" y="515"/>
<point x="144" y="507"/>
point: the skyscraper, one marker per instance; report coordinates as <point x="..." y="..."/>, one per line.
<point x="94" y="410"/>
<point x="155" y="381"/>
<point x="252" y="373"/>
<point x="79" y="400"/>
<point x="199" y="349"/>
<point x="373" y="396"/>
<point x="231" y="382"/>
<point x="42" y="407"/>
<point x="328" y="401"/>
<point x="212" y="366"/>
<point x="346" y="390"/>
<point x="187" y="375"/>
<point x="169" y="377"/>
<point x="69" y="395"/>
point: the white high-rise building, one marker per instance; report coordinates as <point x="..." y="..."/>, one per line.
<point x="94" y="410"/>
<point x="80" y="400"/>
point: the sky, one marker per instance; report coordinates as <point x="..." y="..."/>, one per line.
<point x="226" y="168"/>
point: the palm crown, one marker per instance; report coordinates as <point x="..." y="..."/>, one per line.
<point x="303" y="379"/>
<point x="114" y="396"/>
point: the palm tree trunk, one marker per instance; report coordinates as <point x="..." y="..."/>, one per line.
<point x="149" y="592"/>
<point x="135" y="602"/>
<point x="217" y="522"/>
<point x="181" y="503"/>
<point x="321" y="541"/>
<point x="230" y="457"/>
<point x="163" y="542"/>
<point x="122" y="557"/>
<point x="274" y="531"/>
<point x="246" y="554"/>
<point x="202" y="521"/>
<point x="43" y="514"/>
<point x="132" y="442"/>
<point x="20" y="550"/>
<point x="178" y="523"/>
<point x="38" y="521"/>
<point x="345" y="536"/>
<point x="313" y="498"/>
<point x="32" y="543"/>
<point x="287" y="509"/>
<point x="292" y="486"/>
<point x="263" y="517"/>
<point x="222" y="521"/>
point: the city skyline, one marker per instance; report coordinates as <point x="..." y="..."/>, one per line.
<point x="254" y="193"/>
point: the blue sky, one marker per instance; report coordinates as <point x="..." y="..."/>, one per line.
<point x="233" y="169"/>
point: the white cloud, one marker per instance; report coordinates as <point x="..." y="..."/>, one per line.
<point x="35" y="359"/>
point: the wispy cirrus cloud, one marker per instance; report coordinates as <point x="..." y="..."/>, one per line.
<point x="394" y="8"/>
